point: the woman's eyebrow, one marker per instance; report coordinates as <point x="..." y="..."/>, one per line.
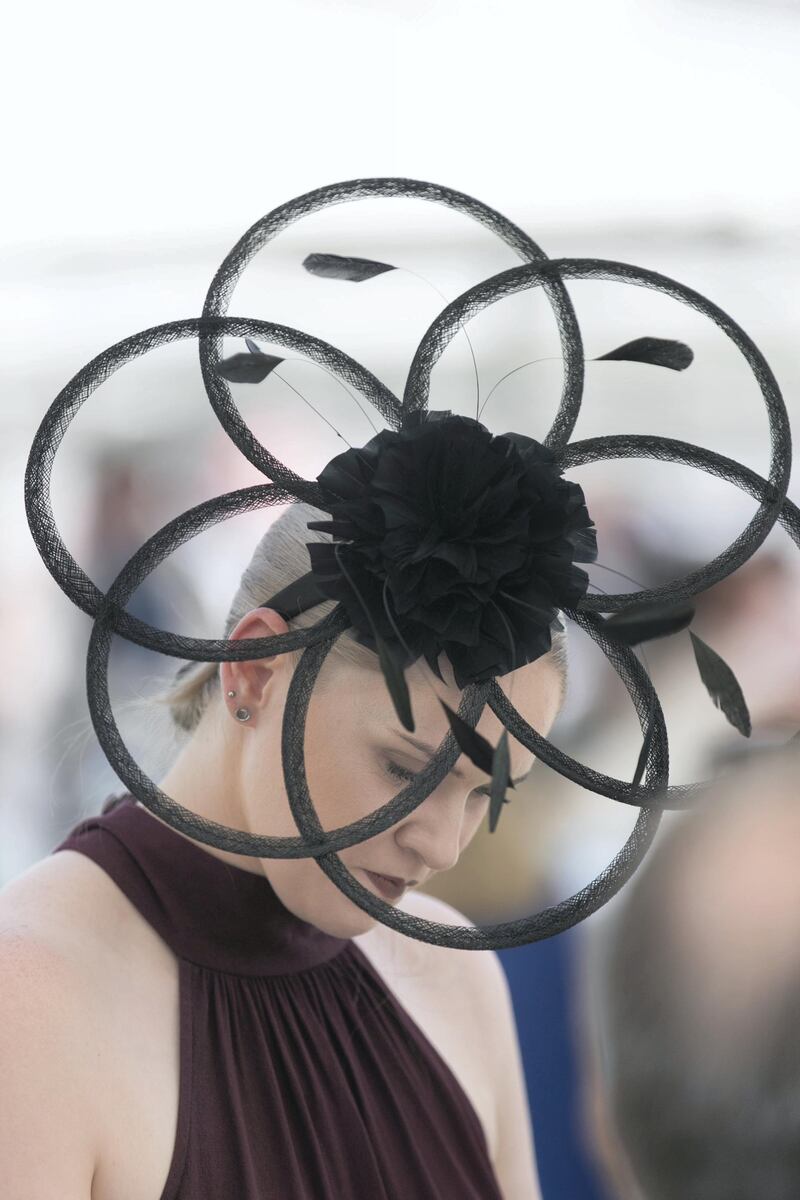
<point x="431" y="750"/>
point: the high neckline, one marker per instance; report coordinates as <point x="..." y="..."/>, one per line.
<point x="212" y="912"/>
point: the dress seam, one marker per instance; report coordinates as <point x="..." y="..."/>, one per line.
<point x="260" y="975"/>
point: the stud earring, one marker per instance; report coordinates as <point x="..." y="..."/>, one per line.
<point x="243" y="714"/>
<point x="231" y="693"/>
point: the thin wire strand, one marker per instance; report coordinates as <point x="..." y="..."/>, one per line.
<point x="547" y="358"/>
<point x="310" y="405"/>
<point x="316" y="410"/>
<point x="463" y="330"/>
<point x="342" y="384"/>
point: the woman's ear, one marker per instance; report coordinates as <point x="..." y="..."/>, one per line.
<point x="253" y="679"/>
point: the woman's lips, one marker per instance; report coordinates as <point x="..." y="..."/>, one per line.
<point x="388" y="889"/>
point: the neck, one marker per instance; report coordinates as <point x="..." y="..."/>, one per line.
<point x="204" y="780"/>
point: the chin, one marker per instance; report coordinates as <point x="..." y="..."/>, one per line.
<point x="337" y="914"/>
<point x="342" y="918"/>
<point x="346" y="919"/>
<point x="349" y="923"/>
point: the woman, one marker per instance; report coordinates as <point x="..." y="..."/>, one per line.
<point x="178" y="1021"/>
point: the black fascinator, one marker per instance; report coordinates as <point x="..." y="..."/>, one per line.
<point x="444" y="538"/>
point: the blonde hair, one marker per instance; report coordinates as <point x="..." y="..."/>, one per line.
<point x="279" y="558"/>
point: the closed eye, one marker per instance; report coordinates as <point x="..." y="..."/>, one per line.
<point x="399" y="772"/>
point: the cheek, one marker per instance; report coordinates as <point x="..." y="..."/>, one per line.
<point x="343" y="788"/>
<point x="474" y="818"/>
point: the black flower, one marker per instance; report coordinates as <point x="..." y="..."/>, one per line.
<point x="473" y="536"/>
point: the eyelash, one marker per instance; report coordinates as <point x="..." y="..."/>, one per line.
<point x="399" y="772"/>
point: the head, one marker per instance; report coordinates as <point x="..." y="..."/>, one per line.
<point x="695" y="995"/>
<point x="357" y="753"/>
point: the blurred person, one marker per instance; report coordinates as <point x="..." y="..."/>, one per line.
<point x="691" y="1001"/>
<point x="552" y="843"/>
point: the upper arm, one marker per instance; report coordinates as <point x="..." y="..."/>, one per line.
<point x="514" y="1161"/>
<point x="514" y="1157"/>
<point x="46" y="1135"/>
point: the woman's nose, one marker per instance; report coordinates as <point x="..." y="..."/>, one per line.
<point x="434" y="830"/>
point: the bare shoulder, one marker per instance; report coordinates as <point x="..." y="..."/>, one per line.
<point x="486" y="972"/>
<point x="490" y="1008"/>
<point x="424" y="955"/>
<point x="484" y="966"/>
<point x="49" y="1016"/>
<point x="65" y="911"/>
<point x="57" y="927"/>
<point x="62" y="923"/>
<point x="67" y="901"/>
<point x="41" y="977"/>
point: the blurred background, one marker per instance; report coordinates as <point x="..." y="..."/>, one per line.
<point x="657" y="133"/>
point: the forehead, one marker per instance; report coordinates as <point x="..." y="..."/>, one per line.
<point x="534" y="691"/>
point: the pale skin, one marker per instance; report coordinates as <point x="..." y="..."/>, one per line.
<point x="229" y="772"/>
<point x="348" y="743"/>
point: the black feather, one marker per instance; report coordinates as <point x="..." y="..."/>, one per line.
<point x="473" y="744"/>
<point x="338" y="266"/>
<point x="393" y="673"/>
<point x="641" y="622"/>
<point x="722" y="685"/>
<point x="396" y="682"/>
<point x="247" y="368"/>
<point x="500" y="777"/>
<point x="660" y="352"/>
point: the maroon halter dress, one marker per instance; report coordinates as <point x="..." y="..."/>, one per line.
<point x="301" y="1074"/>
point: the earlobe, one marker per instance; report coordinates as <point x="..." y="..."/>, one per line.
<point x="241" y="714"/>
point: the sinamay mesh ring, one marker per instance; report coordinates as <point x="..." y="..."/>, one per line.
<point x="110" y="616"/>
